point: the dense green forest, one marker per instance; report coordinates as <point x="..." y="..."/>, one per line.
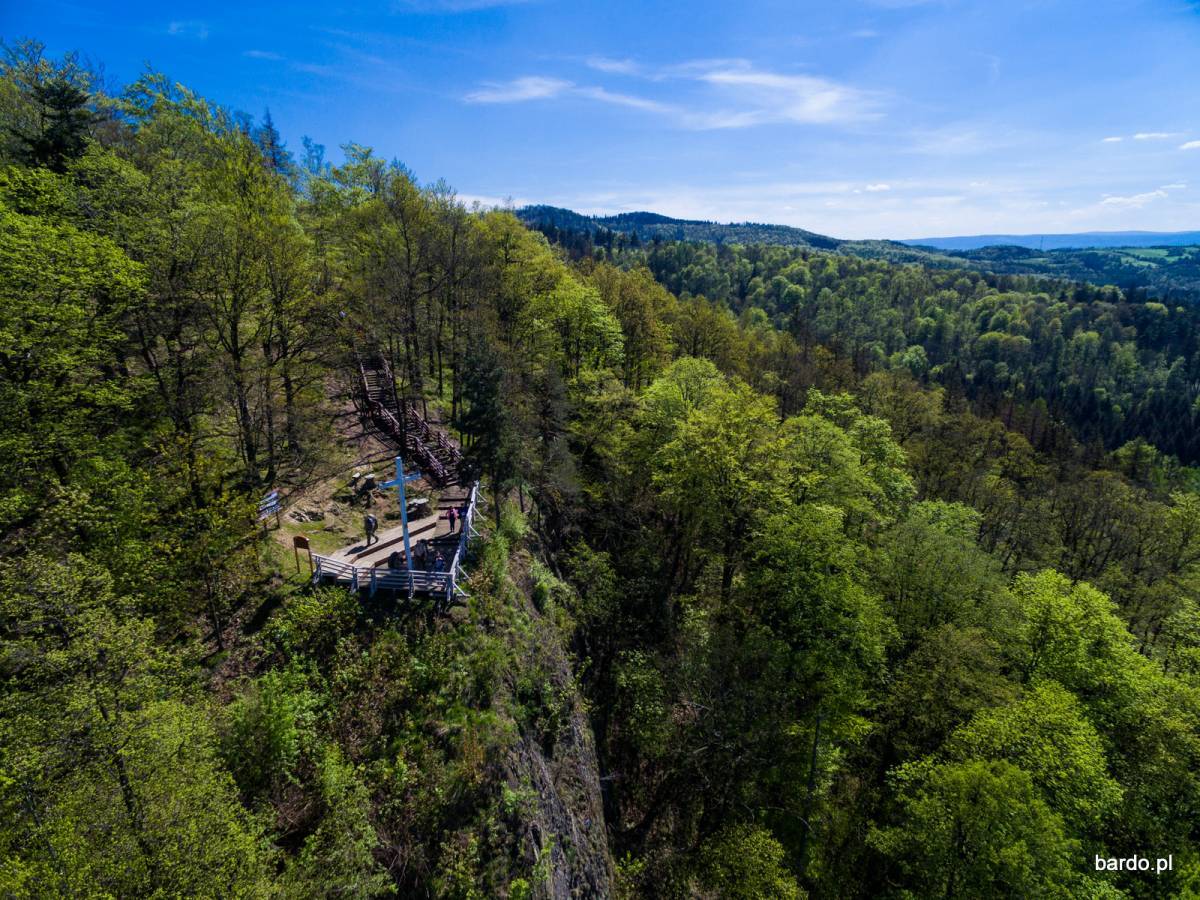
<point x="1030" y="350"/>
<point x="804" y="574"/>
<point x="1168" y="273"/>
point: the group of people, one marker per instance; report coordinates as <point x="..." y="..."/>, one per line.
<point x="457" y="516"/>
<point x="424" y="559"/>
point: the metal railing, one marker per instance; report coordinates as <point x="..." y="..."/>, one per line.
<point x="379" y="578"/>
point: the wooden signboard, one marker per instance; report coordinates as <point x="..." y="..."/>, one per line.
<point x="300" y="542"/>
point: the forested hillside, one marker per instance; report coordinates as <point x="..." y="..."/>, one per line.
<point x="1169" y="273"/>
<point x="803" y="574"/>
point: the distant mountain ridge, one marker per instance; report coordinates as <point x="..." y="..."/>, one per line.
<point x="649" y="225"/>
<point x="1083" y="240"/>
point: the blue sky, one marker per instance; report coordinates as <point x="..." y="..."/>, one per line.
<point x="857" y="118"/>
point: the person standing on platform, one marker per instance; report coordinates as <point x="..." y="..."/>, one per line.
<point x="452" y="515"/>
<point x="371" y="524"/>
<point x="439" y="564"/>
<point x="419" y="553"/>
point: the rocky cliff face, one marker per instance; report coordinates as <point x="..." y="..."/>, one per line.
<point x="553" y="767"/>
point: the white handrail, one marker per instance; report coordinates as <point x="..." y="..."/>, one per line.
<point x="389" y="579"/>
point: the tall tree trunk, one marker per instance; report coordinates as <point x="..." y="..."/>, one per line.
<point x="289" y="408"/>
<point x="810" y="793"/>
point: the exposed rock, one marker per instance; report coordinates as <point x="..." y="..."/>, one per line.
<point x="566" y="815"/>
<point x="306" y="515"/>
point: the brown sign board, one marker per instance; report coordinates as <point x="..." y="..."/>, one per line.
<point x="300" y="542"/>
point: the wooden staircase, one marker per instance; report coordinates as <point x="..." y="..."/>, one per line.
<point x="429" y="449"/>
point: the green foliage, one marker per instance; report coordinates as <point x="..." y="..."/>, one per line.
<point x="1045" y="734"/>
<point x="337" y="859"/>
<point x="642" y="701"/>
<point x="947" y="678"/>
<point x="979" y="829"/>
<point x="112" y="784"/>
<point x="269" y="726"/>
<point x="311" y="623"/>
<point x="744" y="862"/>
<point x="62" y="293"/>
<point x="932" y="572"/>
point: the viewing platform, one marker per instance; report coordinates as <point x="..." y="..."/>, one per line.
<point x="439" y="551"/>
<point x="363" y="568"/>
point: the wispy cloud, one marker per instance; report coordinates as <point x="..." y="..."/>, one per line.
<point x="1190" y="145"/>
<point x="963" y="139"/>
<point x="531" y="87"/>
<point x="876" y="188"/>
<point x="773" y="97"/>
<point x="1142" y="136"/>
<point x="740" y="95"/>
<point x="617" y="99"/>
<point x="613" y="66"/>
<point x="192" y="28"/>
<point x="263" y="54"/>
<point x="1134" y="201"/>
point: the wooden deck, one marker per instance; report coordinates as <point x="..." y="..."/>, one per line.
<point x="363" y="568"/>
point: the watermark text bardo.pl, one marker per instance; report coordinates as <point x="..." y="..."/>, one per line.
<point x="1136" y="864"/>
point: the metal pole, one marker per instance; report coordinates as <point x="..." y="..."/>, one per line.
<point x="408" y="560"/>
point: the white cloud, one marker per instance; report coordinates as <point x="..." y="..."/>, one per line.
<point x="1135" y="201"/>
<point x="1151" y="135"/>
<point x="520" y="89"/>
<point x="1190" y="145"/>
<point x="956" y="140"/>
<point x="1112" y="140"/>
<point x="873" y="188"/>
<point x="605" y="96"/>
<point x="748" y="96"/>
<point x="1176" y="186"/>
<point x="188" y="28"/>
<point x="263" y="54"/>
<point x="614" y="66"/>
<point x="865" y="33"/>
<point x="773" y="97"/>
